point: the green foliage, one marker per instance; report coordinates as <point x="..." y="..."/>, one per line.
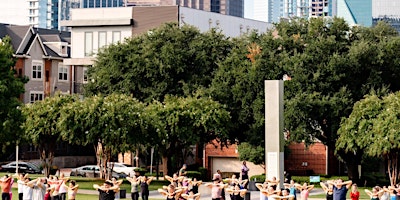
<point x="180" y="122"/>
<point x="254" y="154"/>
<point x="258" y="178"/>
<point x="11" y="86"/>
<point x="331" y="66"/>
<point x="171" y="59"/>
<point x="203" y="172"/>
<point x="373" y="179"/>
<point x="41" y="126"/>
<point x="373" y="126"/>
<point x="194" y="174"/>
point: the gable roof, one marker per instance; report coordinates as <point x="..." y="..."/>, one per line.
<point x="23" y="37"/>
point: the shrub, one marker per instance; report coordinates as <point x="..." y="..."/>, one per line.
<point x="193" y="174"/>
<point x="258" y="178"/>
<point x="203" y="172"/>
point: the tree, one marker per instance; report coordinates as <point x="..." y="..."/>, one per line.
<point x="11" y="87"/>
<point x="373" y="127"/>
<point x="170" y="60"/>
<point x="113" y="124"/>
<point x="41" y="126"/>
<point x="331" y="67"/>
<point x="181" y="122"/>
<point x="253" y="154"/>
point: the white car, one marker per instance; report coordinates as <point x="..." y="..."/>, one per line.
<point x="122" y="168"/>
<point x="93" y="169"/>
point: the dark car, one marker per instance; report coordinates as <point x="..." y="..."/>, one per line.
<point x="23" y="167"/>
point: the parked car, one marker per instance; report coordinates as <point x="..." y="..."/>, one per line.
<point x="23" y="167"/>
<point x="122" y="168"/>
<point x="86" y="170"/>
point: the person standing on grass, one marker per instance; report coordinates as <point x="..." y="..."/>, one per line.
<point x="134" y="187"/>
<point x="340" y="188"/>
<point x="106" y="191"/>
<point x="305" y="190"/>
<point x="5" y="184"/>
<point x="21" y="181"/>
<point x="328" y="190"/>
<point x="144" y="186"/>
<point x="354" y="194"/>
<point x="72" y="190"/>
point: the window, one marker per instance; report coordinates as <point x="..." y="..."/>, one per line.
<point x="102" y="39"/>
<point x="88" y="43"/>
<point x="85" y="75"/>
<point x="36" y="96"/>
<point x="116" y="36"/>
<point x="62" y="72"/>
<point x="37" y="70"/>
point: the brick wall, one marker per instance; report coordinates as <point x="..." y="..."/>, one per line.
<point x="302" y="160"/>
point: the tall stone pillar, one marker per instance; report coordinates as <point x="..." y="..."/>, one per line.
<point x="274" y="141"/>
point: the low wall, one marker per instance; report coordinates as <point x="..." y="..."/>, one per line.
<point x="70" y="161"/>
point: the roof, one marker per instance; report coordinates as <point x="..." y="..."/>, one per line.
<point x="23" y="37"/>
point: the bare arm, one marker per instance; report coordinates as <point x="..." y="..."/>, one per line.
<point x="369" y="193"/>
<point x="259" y="186"/>
<point x="323" y="186"/>
<point x="163" y="192"/>
<point x="310" y="187"/>
<point x="149" y="180"/>
<point x="347" y="184"/>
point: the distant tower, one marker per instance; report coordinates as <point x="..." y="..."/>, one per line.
<point x="355" y="12"/>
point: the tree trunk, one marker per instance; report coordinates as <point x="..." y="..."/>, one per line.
<point x="352" y="161"/>
<point x="46" y="156"/>
<point x="103" y="155"/>
<point x="165" y="164"/>
<point x="392" y="159"/>
<point x="137" y="157"/>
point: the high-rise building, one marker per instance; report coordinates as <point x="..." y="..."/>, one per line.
<point x="388" y="11"/>
<point x="274" y="10"/>
<point x="355" y="12"/>
<point x="227" y="7"/>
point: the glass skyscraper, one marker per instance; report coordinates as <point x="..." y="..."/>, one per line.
<point x="355" y="12"/>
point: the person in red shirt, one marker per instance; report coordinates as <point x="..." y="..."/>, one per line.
<point x="354" y="194"/>
<point x="5" y="184"/>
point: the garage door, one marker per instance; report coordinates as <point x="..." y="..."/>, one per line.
<point x="233" y="165"/>
<point x="225" y="164"/>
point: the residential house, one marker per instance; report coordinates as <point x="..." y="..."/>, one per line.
<point x="40" y="54"/>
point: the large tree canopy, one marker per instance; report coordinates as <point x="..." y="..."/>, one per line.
<point x="11" y="87"/>
<point x="373" y="126"/>
<point x="41" y="126"/>
<point x="170" y="60"/>
<point x="181" y="122"/>
<point x="113" y="124"/>
<point x="330" y="67"/>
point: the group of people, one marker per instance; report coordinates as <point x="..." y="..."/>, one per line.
<point x="110" y="189"/>
<point x="181" y="187"/>
<point x="52" y="188"/>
